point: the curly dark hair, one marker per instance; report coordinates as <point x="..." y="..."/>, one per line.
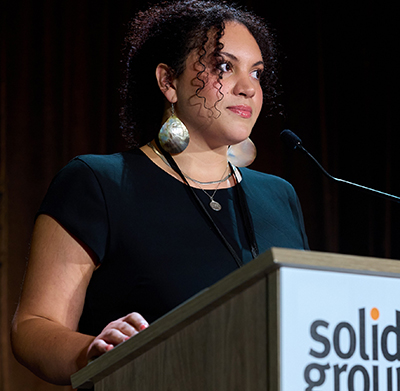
<point x="167" y="33"/>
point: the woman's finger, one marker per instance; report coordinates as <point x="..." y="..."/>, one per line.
<point x="113" y="336"/>
<point x="126" y="328"/>
<point x="97" y="348"/>
<point x="136" y="320"/>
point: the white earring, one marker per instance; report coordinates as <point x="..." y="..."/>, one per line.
<point x="173" y="136"/>
<point x="243" y="153"/>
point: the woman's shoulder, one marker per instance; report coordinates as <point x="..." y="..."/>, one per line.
<point x="105" y="165"/>
<point x="257" y="178"/>
<point x="267" y="186"/>
<point x="107" y="162"/>
<point x="84" y="171"/>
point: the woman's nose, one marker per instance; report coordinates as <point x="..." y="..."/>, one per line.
<point x="244" y="87"/>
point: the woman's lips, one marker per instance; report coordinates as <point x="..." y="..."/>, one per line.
<point x="241" y="110"/>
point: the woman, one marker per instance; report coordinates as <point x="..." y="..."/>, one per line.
<point x="122" y="239"/>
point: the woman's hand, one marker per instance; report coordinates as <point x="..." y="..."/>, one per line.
<point x="115" y="333"/>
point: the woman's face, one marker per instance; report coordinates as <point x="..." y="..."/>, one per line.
<point x="237" y="102"/>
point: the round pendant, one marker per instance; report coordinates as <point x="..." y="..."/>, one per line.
<point x="214" y="205"/>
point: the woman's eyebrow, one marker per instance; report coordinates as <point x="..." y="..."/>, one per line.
<point x="234" y="58"/>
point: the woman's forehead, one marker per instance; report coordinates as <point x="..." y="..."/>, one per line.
<point x="236" y="39"/>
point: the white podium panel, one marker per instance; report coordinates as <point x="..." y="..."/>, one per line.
<point x="340" y="331"/>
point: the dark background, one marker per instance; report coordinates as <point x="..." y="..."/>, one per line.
<point x="60" y="73"/>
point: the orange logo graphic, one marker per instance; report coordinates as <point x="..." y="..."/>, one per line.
<point x="374" y="313"/>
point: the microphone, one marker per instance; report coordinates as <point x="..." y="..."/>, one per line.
<point x="294" y="142"/>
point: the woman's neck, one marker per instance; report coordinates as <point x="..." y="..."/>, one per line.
<point x="197" y="164"/>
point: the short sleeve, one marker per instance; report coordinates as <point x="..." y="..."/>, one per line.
<point x="76" y="200"/>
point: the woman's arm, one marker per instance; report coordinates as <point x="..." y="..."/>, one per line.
<point x="44" y="332"/>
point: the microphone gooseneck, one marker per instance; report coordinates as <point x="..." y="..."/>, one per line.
<point x="294" y="142"/>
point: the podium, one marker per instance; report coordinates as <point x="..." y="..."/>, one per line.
<point x="290" y="320"/>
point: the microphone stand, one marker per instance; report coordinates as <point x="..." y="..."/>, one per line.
<point x="292" y="140"/>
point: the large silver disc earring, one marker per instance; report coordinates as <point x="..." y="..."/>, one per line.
<point x="173" y="136"/>
<point x="243" y="153"/>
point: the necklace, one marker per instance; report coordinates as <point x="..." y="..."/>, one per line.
<point x="157" y="152"/>
<point x="211" y="182"/>
<point x="214" y="205"/>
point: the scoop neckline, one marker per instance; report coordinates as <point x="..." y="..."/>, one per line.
<point x="240" y="178"/>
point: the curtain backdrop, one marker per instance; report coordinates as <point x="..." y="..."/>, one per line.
<point x="60" y="77"/>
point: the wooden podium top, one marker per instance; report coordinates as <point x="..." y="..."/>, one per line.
<point x="210" y="298"/>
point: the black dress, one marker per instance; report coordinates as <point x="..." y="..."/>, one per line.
<point x="155" y="246"/>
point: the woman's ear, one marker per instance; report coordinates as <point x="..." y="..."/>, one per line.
<point x="165" y="82"/>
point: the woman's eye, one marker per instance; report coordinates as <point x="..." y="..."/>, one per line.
<point x="256" y="74"/>
<point x="225" y="67"/>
